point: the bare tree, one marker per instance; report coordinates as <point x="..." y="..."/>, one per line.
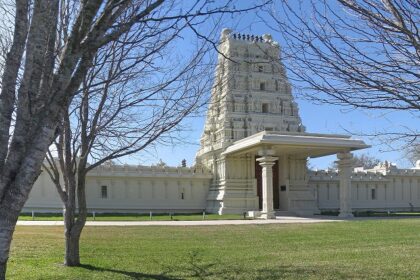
<point x="128" y="101"/>
<point x="56" y="61"/>
<point x="362" y="54"/>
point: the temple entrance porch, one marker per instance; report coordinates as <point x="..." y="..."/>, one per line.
<point x="267" y="171"/>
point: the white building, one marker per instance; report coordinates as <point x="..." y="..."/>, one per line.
<point x="253" y="156"/>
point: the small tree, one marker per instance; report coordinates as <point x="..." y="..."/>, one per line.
<point x="110" y="120"/>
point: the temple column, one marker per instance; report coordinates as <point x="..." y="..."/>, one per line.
<point x="267" y="163"/>
<point x="345" y="161"/>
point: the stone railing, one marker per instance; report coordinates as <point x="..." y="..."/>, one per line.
<point x="361" y="174"/>
<point x="333" y="175"/>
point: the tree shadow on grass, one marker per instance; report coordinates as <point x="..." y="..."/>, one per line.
<point x="238" y="272"/>
<point x="132" y="274"/>
<point x="197" y="267"/>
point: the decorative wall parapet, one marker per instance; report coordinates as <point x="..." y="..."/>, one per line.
<point x="150" y="171"/>
<point x="333" y="175"/>
<point x="381" y="172"/>
<point x="388" y="168"/>
<point x="405" y="172"/>
<point x="265" y="38"/>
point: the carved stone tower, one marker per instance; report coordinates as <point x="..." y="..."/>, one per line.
<point x="251" y="94"/>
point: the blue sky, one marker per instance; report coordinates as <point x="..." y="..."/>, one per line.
<point x="317" y="118"/>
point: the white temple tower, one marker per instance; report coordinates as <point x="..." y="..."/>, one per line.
<point x="251" y="94"/>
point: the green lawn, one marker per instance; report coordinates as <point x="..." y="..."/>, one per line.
<point x="374" y="249"/>
<point x="132" y="217"/>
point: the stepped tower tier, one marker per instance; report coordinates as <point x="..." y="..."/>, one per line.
<point x="251" y="92"/>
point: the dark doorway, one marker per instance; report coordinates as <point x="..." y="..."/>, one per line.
<point x="276" y="190"/>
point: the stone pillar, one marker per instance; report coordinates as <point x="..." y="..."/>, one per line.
<point x="345" y="161"/>
<point x="267" y="163"/>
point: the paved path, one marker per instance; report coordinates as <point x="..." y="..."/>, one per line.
<point x="278" y="220"/>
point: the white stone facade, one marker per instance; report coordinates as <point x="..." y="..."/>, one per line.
<point x="125" y="188"/>
<point x="141" y="189"/>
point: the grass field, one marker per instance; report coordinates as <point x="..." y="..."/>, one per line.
<point x="373" y="249"/>
<point x="133" y="217"/>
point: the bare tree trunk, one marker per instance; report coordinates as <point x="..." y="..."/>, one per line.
<point x="73" y="232"/>
<point x="11" y="70"/>
<point x="3" y="266"/>
<point x="8" y="221"/>
<point x="72" y="235"/>
<point x="5" y="241"/>
<point x="73" y="225"/>
<point x="72" y="254"/>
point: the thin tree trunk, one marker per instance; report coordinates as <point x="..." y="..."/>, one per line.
<point x="72" y="235"/>
<point x="73" y="231"/>
<point x="72" y="257"/>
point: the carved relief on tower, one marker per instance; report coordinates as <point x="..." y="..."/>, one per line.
<point x="251" y="93"/>
<point x="236" y="66"/>
<point x="240" y="83"/>
<point x="256" y="105"/>
<point x="286" y="109"/>
<point x="244" y="68"/>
